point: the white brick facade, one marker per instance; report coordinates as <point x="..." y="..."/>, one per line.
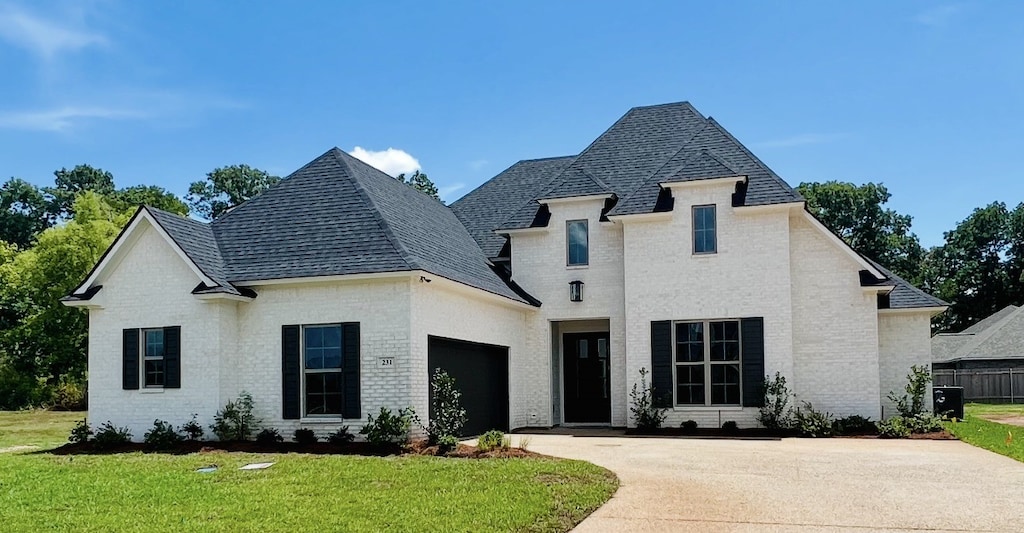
<point x="823" y="331"/>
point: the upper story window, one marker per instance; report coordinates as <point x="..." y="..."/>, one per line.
<point x="153" y="357"/>
<point x="322" y="370"/>
<point x="577" y="238"/>
<point x="705" y="239"/>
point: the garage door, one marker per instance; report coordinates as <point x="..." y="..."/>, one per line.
<point x="481" y="373"/>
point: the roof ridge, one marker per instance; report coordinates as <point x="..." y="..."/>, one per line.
<point x="987" y="333"/>
<point x="510" y="167"/>
<point x="771" y="173"/>
<point x="385" y="227"/>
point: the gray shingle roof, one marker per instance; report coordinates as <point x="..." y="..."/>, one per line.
<point x="196" y="239"/>
<point x="337" y="216"/>
<point x="905" y="295"/>
<point x="486" y="207"/>
<point x="1001" y="336"/>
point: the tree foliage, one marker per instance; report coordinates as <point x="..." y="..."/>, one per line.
<point x="130" y="198"/>
<point x="420" y="182"/>
<point x="225" y="188"/>
<point x="857" y="213"/>
<point x="24" y="212"/>
<point x="978" y="269"/>
<point x="69" y="183"/>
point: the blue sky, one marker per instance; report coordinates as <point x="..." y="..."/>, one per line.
<point x="925" y="97"/>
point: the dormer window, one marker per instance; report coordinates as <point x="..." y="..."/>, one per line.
<point x="705" y="239"/>
<point x="577" y="238"/>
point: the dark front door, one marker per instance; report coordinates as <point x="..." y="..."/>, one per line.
<point x="481" y="374"/>
<point x="586" y="372"/>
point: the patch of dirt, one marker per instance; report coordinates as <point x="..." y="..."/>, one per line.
<point x="12" y="449"/>
<point x="468" y="452"/>
<point x="935" y="435"/>
<point x="1013" y="420"/>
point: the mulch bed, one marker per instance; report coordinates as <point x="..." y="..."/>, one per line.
<point x="320" y="448"/>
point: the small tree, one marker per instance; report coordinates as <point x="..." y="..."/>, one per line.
<point x="235" y="421"/>
<point x="641" y="400"/>
<point x="911" y="404"/>
<point x="447" y="416"/>
<point x="776" y="412"/>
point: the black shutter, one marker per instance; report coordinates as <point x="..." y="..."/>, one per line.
<point x="350" y="371"/>
<point x="291" y="371"/>
<point x="130" y="359"/>
<point x="752" y="338"/>
<point x="661" y="362"/>
<point x="172" y="357"/>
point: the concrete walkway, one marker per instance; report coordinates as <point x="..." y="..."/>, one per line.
<point x="797" y="484"/>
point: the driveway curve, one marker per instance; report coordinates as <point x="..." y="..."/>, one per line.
<point x="676" y="484"/>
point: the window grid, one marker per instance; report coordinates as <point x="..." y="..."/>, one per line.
<point x="705" y="239"/>
<point x="577" y="243"/>
<point x="321" y="365"/>
<point x="153" y="358"/>
<point x="707" y="362"/>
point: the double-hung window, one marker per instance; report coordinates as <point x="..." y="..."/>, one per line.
<point x="153" y="357"/>
<point x="577" y="239"/>
<point x="322" y="355"/>
<point x="705" y="238"/>
<point x="707" y="362"/>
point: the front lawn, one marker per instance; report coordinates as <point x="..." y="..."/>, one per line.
<point x="36" y="428"/>
<point x="1003" y="439"/>
<point x="160" y="492"/>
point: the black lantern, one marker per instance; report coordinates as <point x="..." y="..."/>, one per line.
<point x="576" y="291"/>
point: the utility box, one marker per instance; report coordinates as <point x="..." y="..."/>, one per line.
<point x="949" y="401"/>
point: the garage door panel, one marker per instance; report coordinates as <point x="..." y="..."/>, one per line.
<point x="481" y="374"/>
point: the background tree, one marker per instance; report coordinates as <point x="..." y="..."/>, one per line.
<point x="130" y="198"/>
<point x="420" y="182"/>
<point x="69" y="183"/>
<point x="857" y="214"/>
<point x="978" y="268"/>
<point x="24" y="212"/>
<point x="225" y="188"/>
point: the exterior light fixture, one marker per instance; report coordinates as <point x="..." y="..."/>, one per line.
<point x="576" y="291"/>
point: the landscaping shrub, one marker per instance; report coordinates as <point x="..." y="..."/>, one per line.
<point x="912" y="403"/>
<point x="447" y="416"/>
<point x="493" y="440"/>
<point x="854" y="425"/>
<point x="269" y="436"/>
<point x="80" y="433"/>
<point x="162" y="436"/>
<point x="924" y="423"/>
<point x="776" y="412"/>
<point x="108" y="436"/>
<point x="341" y="436"/>
<point x="389" y="428"/>
<point x="192" y="429"/>
<point x="812" y="423"/>
<point x="235" y="420"/>
<point x="69" y="395"/>
<point x="524" y="442"/>
<point x="894" y="428"/>
<point x="690" y="426"/>
<point x="305" y="436"/>
<point x="641" y="400"/>
<point x="730" y="426"/>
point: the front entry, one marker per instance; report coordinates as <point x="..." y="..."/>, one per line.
<point x="586" y="371"/>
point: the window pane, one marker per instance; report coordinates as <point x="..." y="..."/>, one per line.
<point x="578" y="245"/>
<point x="155" y="373"/>
<point x="332" y="382"/>
<point x="725" y="384"/>
<point x="315" y="404"/>
<point x="154" y="343"/>
<point x="332" y="404"/>
<point x="331" y="357"/>
<point x="732" y="330"/>
<point x="689" y="342"/>
<point x="332" y="336"/>
<point x="602" y="348"/>
<point x="314" y="337"/>
<point x="690" y="384"/>
<point x="582" y="351"/>
<point x="314" y="358"/>
<point x="704" y="229"/>
<point x="315" y="383"/>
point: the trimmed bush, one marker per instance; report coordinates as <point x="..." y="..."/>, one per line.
<point x="854" y="425"/>
<point x="894" y="428"/>
<point x="269" y="436"/>
<point x="389" y="428"/>
<point x="493" y="440"/>
<point x="235" y="421"/>
<point x="812" y="423"/>
<point x="341" y="436"/>
<point x="109" y="436"/>
<point x="690" y="426"/>
<point x="162" y="436"/>
<point x="645" y="414"/>
<point x="305" y="436"/>
<point x="730" y="426"/>
<point x="192" y="429"/>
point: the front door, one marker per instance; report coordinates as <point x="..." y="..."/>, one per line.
<point x="586" y="371"/>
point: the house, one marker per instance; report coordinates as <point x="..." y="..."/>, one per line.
<point x="996" y="342"/>
<point x="665" y="245"/>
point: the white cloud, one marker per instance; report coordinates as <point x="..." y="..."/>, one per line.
<point x="477" y="164"/>
<point x="447" y="191"/>
<point x="63" y="118"/>
<point x="800" y="140"/>
<point x="46" y="38"/>
<point x="391" y="161"/>
<point x="937" y="16"/>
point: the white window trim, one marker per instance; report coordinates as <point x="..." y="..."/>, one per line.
<point x="707" y="363"/>
<point x="144" y="358"/>
<point x="326" y="417"/>
<point x="568" y="243"/>
<point x="693" y="234"/>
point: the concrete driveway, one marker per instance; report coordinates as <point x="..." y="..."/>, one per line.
<point x="797" y="484"/>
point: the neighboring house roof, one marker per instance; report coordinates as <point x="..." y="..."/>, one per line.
<point x="334" y="216"/>
<point x="999" y="336"/>
<point x="904" y="294"/>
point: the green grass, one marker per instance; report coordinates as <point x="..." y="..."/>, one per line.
<point x="157" y="492"/>
<point x="36" y="428"/>
<point x="1003" y="439"/>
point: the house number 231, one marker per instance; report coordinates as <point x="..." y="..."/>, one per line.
<point x="387" y="362"/>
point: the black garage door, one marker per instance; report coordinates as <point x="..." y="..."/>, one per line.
<point x="481" y="373"/>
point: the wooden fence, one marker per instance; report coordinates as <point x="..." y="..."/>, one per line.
<point x="995" y="385"/>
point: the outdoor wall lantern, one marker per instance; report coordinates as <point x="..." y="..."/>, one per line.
<point x="576" y="291"/>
